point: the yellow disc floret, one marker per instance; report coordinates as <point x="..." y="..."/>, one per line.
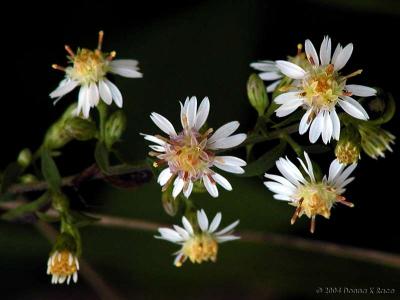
<point x="202" y="247"/>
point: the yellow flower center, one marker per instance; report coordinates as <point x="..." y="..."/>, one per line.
<point x="347" y="153"/>
<point x="88" y="66"/>
<point x="202" y="247"/>
<point x="323" y="87"/>
<point x="62" y="264"/>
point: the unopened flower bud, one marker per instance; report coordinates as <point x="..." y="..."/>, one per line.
<point x="24" y="157"/>
<point x="60" y="202"/>
<point x="347" y="149"/>
<point x="56" y="136"/>
<point x="257" y="94"/>
<point x="28" y="178"/>
<point x="170" y="204"/>
<point x="375" y="140"/>
<point x="115" y="126"/>
<point x="80" y="129"/>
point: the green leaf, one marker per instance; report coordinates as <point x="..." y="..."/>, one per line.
<point x="11" y="174"/>
<point x="26" y="208"/>
<point x="80" y="219"/>
<point x="265" y="161"/>
<point x="101" y="156"/>
<point x="50" y="170"/>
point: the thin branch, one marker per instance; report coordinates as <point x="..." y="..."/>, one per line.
<point x="98" y="284"/>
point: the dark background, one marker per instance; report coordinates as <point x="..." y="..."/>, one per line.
<point x="200" y="48"/>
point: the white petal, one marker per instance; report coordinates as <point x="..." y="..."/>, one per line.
<point x="227" y="238"/>
<point x="116" y="94"/>
<point x="287" y="98"/>
<point x="187" y="225"/>
<point x="343" y="57"/>
<point x="228" y="142"/>
<point x="202" y="220"/>
<point x="328" y="128"/>
<point x="188" y="190"/>
<point x="125" y="68"/>
<point x="270" y="75"/>
<point x="221" y="180"/>
<point x="325" y="51"/>
<point x="215" y="223"/>
<point x="64" y="88"/>
<point x="278" y="188"/>
<point x="280" y="179"/>
<point x="265" y="66"/>
<point x="311" y="53"/>
<point x="316" y="127"/>
<point x="83" y="101"/>
<point x="229" y="168"/>
<point x="282" y="197"/>
<point x="338" y="49"/>
<point x="202" y="113"/>
<point x="336" y="124"/>
<point x="125" y="63"/>
<point x="191" y="112"/>
<point x="224" y="131"/>
<point x="163" y="123"/>
<point x="304" y="122"/>
<point x="361" y="90"/>
<point x="288" y="108"/>
<point x="153" y="139"/>
<point x="353" y="108"/>
<point x="230" y="160"/>
<point x="178" y="186"/>
<point x="164" y="176"/>
<point x="210" y="187"/>
<point x="290" y="69"/>
<point x="228" y="228"/>
<point x="105" y="92"/>
<point x="272" y="86"/>
<point x="93" y="94"/>
<point x="169" y="235"/>
<point x="182" y="232"/>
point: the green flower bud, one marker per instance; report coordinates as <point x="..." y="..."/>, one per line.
<point x="25" y="157"/>
<point x="375" y="140"/>
<point x="80" y="129"/>
<point x="347" y="149"/>
<point x="115" y="126"/>
<point x="28" y="178"/>
<point x="170" y="204"/>
<point x="60" y="202"/>
<point x="70" y="112"/>
<point x="257" y="94"/>
<point x="56" y="136"/>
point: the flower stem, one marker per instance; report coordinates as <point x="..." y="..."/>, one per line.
<point x="295" y="146"/>
<point x="102" y="108"/>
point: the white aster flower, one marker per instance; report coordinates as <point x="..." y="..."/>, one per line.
<point x="318" y="86"/>
<point x="190" y="154"/>
<point x="269" y="72"/>
<point x="198" y="245"/>
<point x="312" y="197"/>
<point x="63" y="266"/>
<point x="88" y="70"/>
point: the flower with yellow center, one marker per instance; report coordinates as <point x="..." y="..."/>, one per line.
<point x="63" y="265"/>
<point x="201" y="244"/>
<point x="311" y="197"/>
<point x="88" y="70"/>
<point x="190" y="154"/>
<point x="318" y="86"/>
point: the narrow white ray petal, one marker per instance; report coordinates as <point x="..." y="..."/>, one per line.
<point x="229" y="168"/>
<point x="227" y="228"/>
<point x="293" y="169"/>
<point x="287" y="98"/>
<point x="325" y="51"/>
<point x="169" y="234"/>
<point x="228" y="142"/>
<point x="334" y="169"/>
<point x="227" y="238"/>
<point x="224" y="131"/>
<point x="304" y="122"/>
<point x="164" y="176"/>
<point x="83" y="101"/>
<point x="191" y="112"/>
<point x="178" y="186"/>
<point x="290" y="69"/>
<point x="340" y="178"/>
<point x="280" y="179"/>
<point x="202" y="220"/>
<point x="343" y="57"/>
<point x="157" y="148"/>
<point x="163" y="123"/>
<point x="353" y="108"/>
<point x="230" y="160"/>
<point x="182" y="232"/>
<point x="221" y="180"/>
<point x="93" y="94"/>
<point x="265" y="66"/>
<point x="288" y="108"/>
<point x="153" y="139"/>
<point x="328" y="128"/>
<point x="64" y="88"/>
<point x="215" y="223"/>
<point x="311" y="53"/>
<point x="361" y="90"/>
<point x="273" y="86"/>
<point x="336" y="124"/>
<point x="125" y="63"/>
<point x="187" y="225"/>
<point x="309" y="166"/>
<point x="278" y="188"/>
<point x="179" y="259"/>
<point x="210" y="186"/>
<point x="105" y="92"/>
<point x="338" y="49"/>
<point x="125" y="70"/>
<point x="316" y="127"/>
<point x="282" y="197"/>
<point x="270" y="75"/>
<point x="188" y="190"/>
<point x="202" y="113"/>
<point x="116" y="94"/>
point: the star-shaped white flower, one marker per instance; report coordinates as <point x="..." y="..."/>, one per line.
<point x="201" y="245"/>
<point x="190" y="154"/>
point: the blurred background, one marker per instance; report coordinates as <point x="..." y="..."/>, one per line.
<point x="200" y="48"/>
